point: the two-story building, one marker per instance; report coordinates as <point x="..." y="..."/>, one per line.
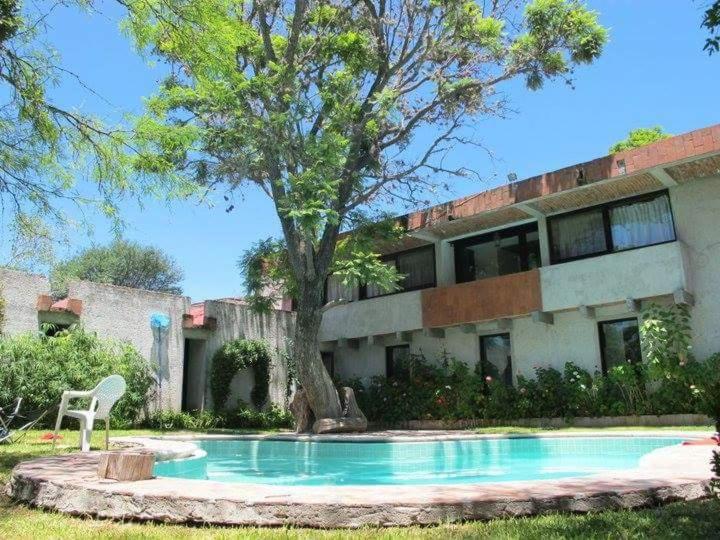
<point x="550" y="269"/>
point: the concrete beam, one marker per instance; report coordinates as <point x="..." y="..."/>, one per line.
<point x="633" y="305"/>
<point x="469" y="328"/>
<point x="348" y="343"/>
<point x="529" y="210"/>
<point x="587" y="312"/>
<point x="434" y="332"/>
<point x="681" y="296"/>
<point x="504" y="324"/>
<point x="424" y="234"/>
<point x="662" y="176"/>
<point x="543" y="317"/>
<point x="376" y="340"/>
<point x="403" y="336"/>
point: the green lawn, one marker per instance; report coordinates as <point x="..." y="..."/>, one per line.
<point x="681" y="520"/>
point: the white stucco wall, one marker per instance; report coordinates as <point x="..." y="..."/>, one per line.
<point x="124" y="313"/>
<point x="696" y="208"/>
<point x="239" y="321"/>
<point x="375" y="316"/>
<point x="638" y="273"/>
<point x="651" y="274"/>
<point x="20" y="292"/>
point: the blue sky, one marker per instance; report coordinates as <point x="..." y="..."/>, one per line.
<point x="653" y="72"/>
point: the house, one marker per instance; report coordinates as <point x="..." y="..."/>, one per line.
<point x="179" y="337"/>
<point x="551" y="269"/>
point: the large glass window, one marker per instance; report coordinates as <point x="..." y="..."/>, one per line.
<point x="417" y="266"/>
<point x="495" y="358"/>
<point x="496" y="254"/>
<point x="631" y="223"/>
<point x="396" y="360"/>
<point x="336" y="290"/>
<point x="619" y="343"/>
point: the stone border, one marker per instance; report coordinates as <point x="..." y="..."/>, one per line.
<point x="70" y="484"/>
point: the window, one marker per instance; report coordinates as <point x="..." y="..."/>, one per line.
<point x="328" y="359"/>
<point x="627" y="224"/>
<point x="416" y="265"/>
<point x="619" y="343"/>
<point x="335" y="290"/>
<point x="396" y="358"/>
<point x="503" y="252"/>
<point x="495" y="358"/>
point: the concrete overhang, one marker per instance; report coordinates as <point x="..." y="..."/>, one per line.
<point x="674" y="161"/>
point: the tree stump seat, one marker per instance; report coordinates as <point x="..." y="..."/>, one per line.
<point x="126" y="466"/>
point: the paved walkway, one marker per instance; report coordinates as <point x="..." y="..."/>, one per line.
<point x="70" y="484"/>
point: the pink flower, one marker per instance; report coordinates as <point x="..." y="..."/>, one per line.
<point x="488" y="378"/>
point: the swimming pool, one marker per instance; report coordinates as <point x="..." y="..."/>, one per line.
<point x="482" y="460"/>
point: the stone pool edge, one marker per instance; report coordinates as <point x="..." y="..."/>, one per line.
<point x="69" y="484"/>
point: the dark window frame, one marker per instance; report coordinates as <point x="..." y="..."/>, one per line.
<point x="389" y="357"/>
<point x="331" y="355"/>
<point x="601" y="338"/>
<point x="483" y="355"/>
<point x="362" y="290"/>
<point x="605" y="208"/>
<point x="521" y="231"/>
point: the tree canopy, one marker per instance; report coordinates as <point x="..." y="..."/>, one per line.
<point x="47" y="149"/>
<point x="334" y="110"/>
<point x="640" y="137"/>
<point x="711" y="21"/>
<point x="319" y="104"/>
<point x="120" y="263"/>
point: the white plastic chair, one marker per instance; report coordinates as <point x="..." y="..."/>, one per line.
<point x="102" y="399"/>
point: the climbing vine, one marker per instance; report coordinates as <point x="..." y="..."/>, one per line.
<point x="235" y="356"/>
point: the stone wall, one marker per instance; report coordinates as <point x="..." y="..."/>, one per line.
<point x="239" y="321"/>
<point x="123" y="313"/>
<point x="20" y="292"/>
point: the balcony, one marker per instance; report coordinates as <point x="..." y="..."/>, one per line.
<point x="376" y="316"/>
<point x="607" y="279"/>
<point x="499" y="297"/>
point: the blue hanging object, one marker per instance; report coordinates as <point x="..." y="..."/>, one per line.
<point x="159" y="320"/>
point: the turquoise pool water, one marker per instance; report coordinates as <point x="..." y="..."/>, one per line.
<point x="431" y="462"/>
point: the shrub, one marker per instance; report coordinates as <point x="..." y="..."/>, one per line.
<point x="39" y="368"/>
<point x="235" y="356"/>
<point x="196" y="420"/>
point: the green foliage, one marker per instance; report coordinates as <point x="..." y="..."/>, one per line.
<point x="316" y="106"/>
<point x="174" y="420"/>
<point x="47" y="148"/>
<point x="124" y="263"/>
<point x="711" y="21"/>
<point x="639" y="137"/>
<point x="2" y="310"/>
<point x="39" y="369"/>
<point x="240" y="418"/>
<point x="448" y="390"/>
<point x="234" y="356"/>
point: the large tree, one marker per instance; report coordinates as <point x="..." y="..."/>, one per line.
<point x="332" y="108"/>
<point x="120" y="263"/>
<point x="50" y="151"/>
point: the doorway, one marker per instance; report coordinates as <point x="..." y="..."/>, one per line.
<point x="193" y="389"/>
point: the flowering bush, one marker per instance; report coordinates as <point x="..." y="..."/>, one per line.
<point x="449" y="390"/>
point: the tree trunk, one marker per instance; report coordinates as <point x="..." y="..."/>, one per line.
<point x="312" y="375"/>
<point x="331" y="416"/>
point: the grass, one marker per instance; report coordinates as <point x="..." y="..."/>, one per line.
<point x="700" y="519"/>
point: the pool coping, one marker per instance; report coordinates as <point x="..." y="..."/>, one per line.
<point x="69" y="484"/>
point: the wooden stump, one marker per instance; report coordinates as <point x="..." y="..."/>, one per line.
<point x="126" y="466"/>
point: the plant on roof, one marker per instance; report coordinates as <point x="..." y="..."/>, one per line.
<point x="336" y="110"/>
<point x="640" y="137"/>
